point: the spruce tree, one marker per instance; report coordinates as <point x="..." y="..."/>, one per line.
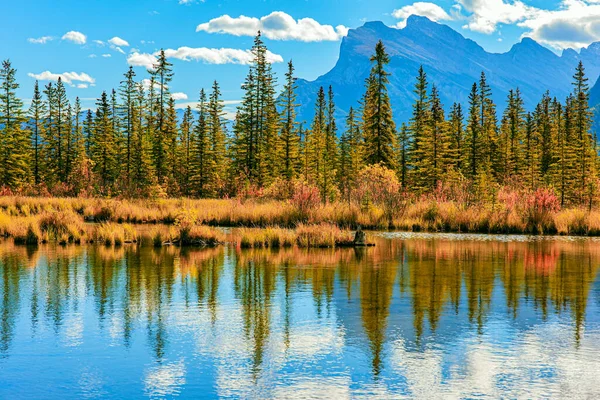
<point x="37" y="115"/>
<point x="379" y="126"/>
<point x="185" y="154"/>
<point x="419" y="131"/>
<point x="14" y="143"/>
<point x="217" y="139"/>
<point x="128" y="93"/>
<point x="162" y="74"/>
<point x="289" y="133"/>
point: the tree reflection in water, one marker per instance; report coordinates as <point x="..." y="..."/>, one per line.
<point x="366" y="293"/>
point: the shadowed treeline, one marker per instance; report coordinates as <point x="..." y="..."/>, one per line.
<point x="259" y="296"/>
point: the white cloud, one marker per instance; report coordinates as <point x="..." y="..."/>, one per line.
<point x="67" y="77"/>
<point x="204" y="54"/>
<point x="106" y="55"/>
<point x="429" y="10"/>
<point x="92" y="56"/>
<point x="146" y="84"/>
<point x="574" y="23"/>
<point x="141" y="60"/>
<point x="117" y="41"/>
<point x="179" y="96"/>
<point x="277" y="26"/>
<point x="75" y="37"/>
<point x="40" y="40"/>
<point x="218" y="56"/>
<point x="117" y="48"/>
<point x="82" y="86"/>
<point x="99" y="42"/>
<point x="485" y="15"/>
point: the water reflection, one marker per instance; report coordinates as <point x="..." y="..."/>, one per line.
<point x="419" y="316"/>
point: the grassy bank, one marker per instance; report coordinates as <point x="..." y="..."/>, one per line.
<point x="66" y="227"/>
<point x="63" y="219"/>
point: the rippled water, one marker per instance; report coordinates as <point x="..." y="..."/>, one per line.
<point x="420" y="316"/>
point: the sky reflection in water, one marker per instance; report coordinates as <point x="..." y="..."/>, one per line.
<point x="417" y="316"/>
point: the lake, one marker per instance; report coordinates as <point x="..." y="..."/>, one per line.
<point x="419" y="316"/>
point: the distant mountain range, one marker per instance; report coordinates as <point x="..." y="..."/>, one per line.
<point x="452" y="62"/>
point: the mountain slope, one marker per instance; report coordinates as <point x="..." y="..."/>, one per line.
<point x="452" y="62"/>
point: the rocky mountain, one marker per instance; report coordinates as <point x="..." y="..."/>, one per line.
<point x="452" y="62"/>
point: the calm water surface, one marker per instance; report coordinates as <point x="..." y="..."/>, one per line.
<point x="420" y="316"/>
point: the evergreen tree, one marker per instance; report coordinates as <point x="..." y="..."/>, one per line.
<point x="259" y="120"/>
<point x="217" y="140"/>
<point x="289" y="134"/>
<point x="37" y="114"/>
<point x="456" y="152"/>
<point x="186" y="150"/>
<point x="379" y="126"/>
<point x="512" y="136"/>
<point x="315" y="146"/>
<point x="104" y="149"/>
<point x="128" y="92"/>
<point x="586" y="161"/>
<point x="14" y="143"/>
<point x="171" y="145"/>
<point x="419" y="131"/>
<point x="403" y="155"/>
<point x="201" y="158"/>
<point x="162" y="75"/>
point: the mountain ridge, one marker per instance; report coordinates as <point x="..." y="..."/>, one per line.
<point x="452" y="62"/>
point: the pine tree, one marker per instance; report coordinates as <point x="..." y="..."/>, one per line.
<point x="128" y="92"/>
<point x="141" y="161"/>
<point x="456" y="148"/>
<point x="419" y="131"/>
<point x="289" y="134"/>
<point x="162" y="75"/>
<point x="186" y="150"/>
<point x="439" y="138"/>
<point x="544" y="127"/>
<point x="379" y="126"/>
<point x="217" y="139"/>
<point x="350" y="154"/>
<point x="403" y="155"/>
<point x="258" y="122"/>
<point x="315" y="146"/>
<point x="201" y="158"/>
<point x="531" y="152"/>
<point x="473" y="133"/>
<point x="57" y="132"/>
<point x="512" y="136"/>
<point x="582" y="125"/>
<point x="88" y="131"/>
<point x="14" y="143"/>
<point x="329" y="161"/>
<point x="37" y="114"/>
<point x="171" y="133"/>
<point x="104" y="149"/>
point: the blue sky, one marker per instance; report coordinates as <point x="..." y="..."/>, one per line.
<point x="207" y="39"/>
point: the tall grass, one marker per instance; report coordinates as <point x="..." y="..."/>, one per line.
<point x="321" y="235"/>
<point x="34" y="220"/>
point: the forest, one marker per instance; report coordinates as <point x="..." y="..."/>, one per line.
<point x="133" y="145"/>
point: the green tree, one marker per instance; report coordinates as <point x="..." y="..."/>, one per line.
<point x="162" y="74"/>
<point x="379" y="126"/>
<point x="37" y="114"/>
<point x="14" y="143"/>
<point x="290" y="141"/>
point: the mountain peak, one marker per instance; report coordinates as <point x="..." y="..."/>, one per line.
<point x="419" y="20"/>
<point x="530" y="47"/>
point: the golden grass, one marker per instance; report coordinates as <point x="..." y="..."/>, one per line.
<point x="31" y="220"/>
<point x="305" y="235"/>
